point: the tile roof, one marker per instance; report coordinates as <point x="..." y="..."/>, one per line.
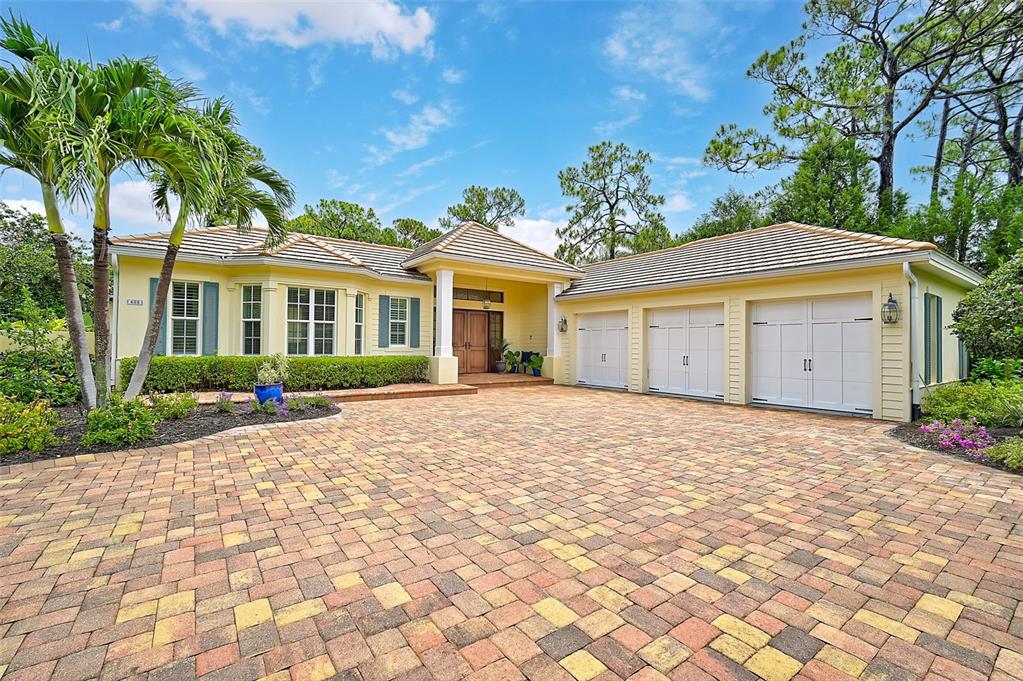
<point x="473" y="241"/>
<point x="782" y="247"/>
<point x="229" y="245"/>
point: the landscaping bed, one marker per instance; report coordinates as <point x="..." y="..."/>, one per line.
<point x="911" y="434"/>
<point x="201" y="421"/>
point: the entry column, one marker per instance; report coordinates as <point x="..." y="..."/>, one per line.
<point x="444" y="365"/>
<point x="552" y="362"/>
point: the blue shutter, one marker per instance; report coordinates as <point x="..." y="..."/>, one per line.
<point x="413" y="322"/>
<point x="927" y="338"/>
<point x="161" y="339"/>
<point x="210" y="316"/>
<point x="384" y="327"/>
<point x="937" y="334"/>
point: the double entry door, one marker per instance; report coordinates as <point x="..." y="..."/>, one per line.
<point x="685" y="351"/>
<point x="470" y="335"/>
<point x="603" y="350"/>
<point x="814" y="352"/>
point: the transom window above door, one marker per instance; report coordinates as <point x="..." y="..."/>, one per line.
<point x="312" y="321"/>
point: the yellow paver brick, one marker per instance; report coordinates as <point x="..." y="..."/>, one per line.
<point x="555" y="612"/>
<point x="743" y="631"/>
<point x="841" y="660"/>
<point x="252" y="613"/>
<point x="583" y="666"/>
<point x="391" y="595"/>
<point x="942" y="607"/>
<point x="599" y="623"/>
<point x="773" y="665"/>
<point x="611" y="600"/>
<point x="887" y="625"/>
<point x="175" y="604"/>
<point x="665" y="653"/>
<point x="732" y="648"/>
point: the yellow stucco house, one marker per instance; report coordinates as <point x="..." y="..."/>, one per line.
<point x="789" y="315"/>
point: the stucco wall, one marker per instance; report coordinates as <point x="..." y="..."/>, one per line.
<point x="524" y="308"/>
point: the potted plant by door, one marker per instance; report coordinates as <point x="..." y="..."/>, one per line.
<point x="270" y="378"/>
<point x="513" y="358"/>
<point x="501" y="365"/>
<point x="536" y="363"/>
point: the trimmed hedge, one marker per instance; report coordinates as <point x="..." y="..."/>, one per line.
<point x="185" y="374"/>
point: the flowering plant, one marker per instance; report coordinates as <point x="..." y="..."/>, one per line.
<point x="962" y="435"/>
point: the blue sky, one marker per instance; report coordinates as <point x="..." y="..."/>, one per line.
<point x="401" y="106"/>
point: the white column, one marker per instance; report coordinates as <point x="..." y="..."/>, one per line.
<point x="349" y="324"/>
<point x="445" y="305"/>
<point x="553" y="315"/>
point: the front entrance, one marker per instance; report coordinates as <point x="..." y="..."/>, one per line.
<point x="470" y="340"/>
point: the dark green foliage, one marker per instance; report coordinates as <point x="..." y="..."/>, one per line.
<point x="173" y="406"/>
<point x="495" y="208"/>
<point x="990" y="318"/>
<point x="26" y="426"/>
<point x="189" y="374"/>
<point x="27" y="261"/>
<point x="998" y="404"/>
<point x="731" y="212"/>
<point x="996" y="369"/>
<point x="40" y="366"/>
<point x="304" y="402"/>
<point x="120" y="422"/>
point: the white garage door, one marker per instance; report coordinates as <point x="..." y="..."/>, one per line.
<point x="813" y="353"/>
<point x="602" y="350"/>
<point x="685" y="351"/>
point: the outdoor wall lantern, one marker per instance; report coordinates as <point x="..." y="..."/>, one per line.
<point x="890" y="310"/>
<point x="562" y="325"/>
<point x="486" y="303"/>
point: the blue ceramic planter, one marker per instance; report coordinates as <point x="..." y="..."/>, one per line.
<point x="274" y="391"/>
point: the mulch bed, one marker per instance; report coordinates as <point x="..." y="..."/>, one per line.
<point x="911" y="434"/>
<point x="204" y="420"/>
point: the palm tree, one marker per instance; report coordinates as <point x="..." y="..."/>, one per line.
<point x="242" y="186"/>
<point x="26" y="147"/>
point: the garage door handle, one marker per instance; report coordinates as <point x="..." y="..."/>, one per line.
<point x="810" y="361"/>
<point x="804" y="365"/>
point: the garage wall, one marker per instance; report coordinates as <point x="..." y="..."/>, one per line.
<point x="950" y="297"/>
<point x="891" y="347"/>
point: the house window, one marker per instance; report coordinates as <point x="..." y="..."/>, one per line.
<point x="360" y="322"/>
<point x="184" y="318"/>
<point x="399" y="321"/>
<point x="478" y="295"/>
<point x="932" y="338"/>
<point x="252" y="320"/>
<point x="311" y="321"/>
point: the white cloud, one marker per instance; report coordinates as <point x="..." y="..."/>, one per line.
<point x="407" y="196"/>
<point x="335" y="180"/>
<point x="259" y="103"/>
<point x="629" y="94"/>
<point x="405" y="97"/>
<point x="383" y="25"/>
<point x="113" y="25"/>
<point x="189" y="71"/>
<point x="453" y="76"/>
<point x="538" y="233"/>
<point x="607" y="128"/>
<point x="131" y="204"/>
<point x="414" y="134"/>
<point x="419" y="167"/>
<point x="659" y="40"/>
<point x="678" y="202"/>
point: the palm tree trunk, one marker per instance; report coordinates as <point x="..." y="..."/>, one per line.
<point x="72" y="300"/>
<point x="138" y="375"/>
<point x="101" y="289"/>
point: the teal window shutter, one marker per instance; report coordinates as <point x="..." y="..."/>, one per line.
<point x="413" y="323"/>
<point x="937" y="335"/>
<point x="384" y="329"/>
<point x="210" y="316"/>
<point x="927" y="338"/>
<point x="161" y="339"/>
<point x="964" y="361"/>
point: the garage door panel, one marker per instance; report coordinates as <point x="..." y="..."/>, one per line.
<point x="779" y="312"/>
<point x="793" y="337"/>
<point x="602" y="340"/>
<point x="685" y="351"/>
<point x="840" y="308"/>
<point x="707" y="315"/>
<point x="667" y="317"/>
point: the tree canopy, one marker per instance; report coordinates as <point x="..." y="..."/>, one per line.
<point x="493" y="207"/>
<point x="347" y="220"/>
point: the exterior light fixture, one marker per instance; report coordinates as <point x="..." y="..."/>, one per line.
<point x="890" y="310"/>
<point x="562" y="325"/>
<point x="486" y="303"/>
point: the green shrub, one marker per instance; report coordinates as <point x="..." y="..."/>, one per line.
<point x="302" y="403"/>
<point x="224" y="403"/>
<point x="26" y="426"/>
<point x="120" y="422"/>
<point x="191" y="374"/>
<point x="991" y="403"/>
<point x="989" y="319"/>
<point x="173" y="406"/>
<point x="996" y="369"/>
<point x="1008" y="452"/>
<point x="41" y="366"/>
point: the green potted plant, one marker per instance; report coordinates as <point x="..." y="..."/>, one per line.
<point x="270" y="378"/>
<point x="501" y="365"/>
<point x="536" y="363"/>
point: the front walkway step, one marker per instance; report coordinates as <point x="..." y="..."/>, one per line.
<point x="503" y="380"/>
<point x="400" y="391"/>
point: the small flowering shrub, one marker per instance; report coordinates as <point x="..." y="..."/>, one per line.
<point x="1008" y="452"/>
<point x="120" y="422"/>
<point x="224" y="403"/>
<point x="26" y="426"/>
<point x="960" y="435"/>
<point x="173" y="406"/>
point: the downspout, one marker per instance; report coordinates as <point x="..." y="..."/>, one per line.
<point x="914" y="351"/>
<point x="115" y="335"/>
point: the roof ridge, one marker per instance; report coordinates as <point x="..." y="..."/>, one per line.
<point x="864" y="236"/>
<point x="284" y="244"/>
<point x="336" y="251"/>
<point x="525" y="245"/>
<point x="447" y="239"/>
<point x="361" y="243"/>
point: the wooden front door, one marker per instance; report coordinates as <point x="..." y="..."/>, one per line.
<point x="470" y="338"/>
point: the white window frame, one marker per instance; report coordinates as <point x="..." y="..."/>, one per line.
<point x="310" y="321"/>
<point x="392" y="321"/>
<point x="359" y="324"/>
<point x="258" y="320"/>
<point x="174" y="318"/>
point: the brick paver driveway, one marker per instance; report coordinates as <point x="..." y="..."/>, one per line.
<point x="545" y="532"/>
